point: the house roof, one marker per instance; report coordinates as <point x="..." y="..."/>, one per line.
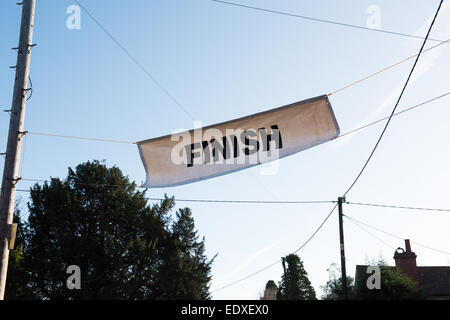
<point x="435" y="281"/>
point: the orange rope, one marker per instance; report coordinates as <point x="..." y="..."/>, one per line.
<point x="387" y="68"/>
<point x="81" y="138"/>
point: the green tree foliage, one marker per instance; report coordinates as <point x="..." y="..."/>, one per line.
<point x="395" y="285"/>
<point x="332" y="290"/>
<point x="125" y="248"/>
<point x="295" y="285"/>
<point x="186" y="262"/>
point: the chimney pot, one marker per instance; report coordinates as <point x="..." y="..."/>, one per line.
<point x="406" y="262"/>
<point x="407" y="245"/>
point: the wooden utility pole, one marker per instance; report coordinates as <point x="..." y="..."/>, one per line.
<point x="12" y="156"/>
<point x="341" y="241"/>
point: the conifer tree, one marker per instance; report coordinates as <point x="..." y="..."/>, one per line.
<point x="126" y="249"/>
<point x="295" y="285"/>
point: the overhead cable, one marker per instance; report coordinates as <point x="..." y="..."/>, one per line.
<point x="396" y="104"/>
<point x="371" y="234"/>
<point x="397" y="207"/>
<point x="80" y="138"/>
<point x="397" y="237"/>
<point x="340" y="136"/>
<point x="324" y="20"/>
<point x="278" y="261"/>
<point x="395" y="114"/>
<point x="135" y="60"/>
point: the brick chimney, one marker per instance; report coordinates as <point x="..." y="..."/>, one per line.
<point x="405" y="260"/>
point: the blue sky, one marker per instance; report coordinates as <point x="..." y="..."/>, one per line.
<point x="222" y="62"/>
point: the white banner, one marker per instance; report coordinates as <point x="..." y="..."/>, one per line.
<point x="230" y="146"/>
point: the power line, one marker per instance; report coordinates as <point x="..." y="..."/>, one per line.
<point x="245" y="201"/>
<point x="135" y="60"/>
<point x="398" y="207"/>
<point x="240" y="5"/>
<point x="397" y="237"/>
<point x="395" y="114"/>
<point x="334" y="208"/>
<point x="336" y="91"/>
<point x="199" y="200"/>
<point x="20" y="190"/>
<point x="245" y="278"/>
<point x="397" y="103"/>
<point x="370" y="233"/>
<point x="238" y="201"/>
<point x="271" y="265"/>
<point x="389" y="67"/>
<point x="323" y="20"/>
<point x="257" y="201"/>
<point x="369" y="76"/>
<point x="340" y="136"/>
<point x="252" y="201"/>
<point x="101" y="185"/>
<point x="317" y="230"/>
<point x="284" y="202"/>
<point x="80" y="138"/>
<point x="33" y="180"/>
<point x="280" y="202"/>
<point x="23" y="154"/>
